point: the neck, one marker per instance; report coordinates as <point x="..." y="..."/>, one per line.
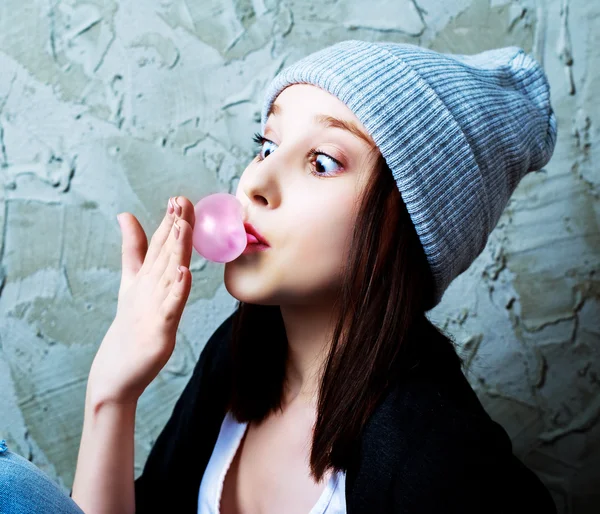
<point x="309" y="329"/>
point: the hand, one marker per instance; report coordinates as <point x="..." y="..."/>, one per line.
<point x="142" y="336"/>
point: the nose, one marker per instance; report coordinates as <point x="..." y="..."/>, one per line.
<point x="260" y="181"/>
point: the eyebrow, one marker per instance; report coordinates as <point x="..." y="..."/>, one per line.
<point x="331" y="122"/>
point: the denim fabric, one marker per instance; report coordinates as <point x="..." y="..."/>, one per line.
<point x="26" y="489"/>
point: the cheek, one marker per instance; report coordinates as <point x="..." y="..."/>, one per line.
<point x="311" y="246"/>
<point x="325" y="238"/>
<point x="320" y="238"/>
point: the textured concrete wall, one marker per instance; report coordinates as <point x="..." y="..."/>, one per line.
<point x="109" y="106"/>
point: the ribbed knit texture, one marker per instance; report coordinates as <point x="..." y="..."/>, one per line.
<point x="457" y="131"/>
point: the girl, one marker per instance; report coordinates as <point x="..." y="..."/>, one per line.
<point x="381" y="169"/>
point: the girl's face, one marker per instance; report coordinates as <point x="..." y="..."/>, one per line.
<point x="301" y="192"/>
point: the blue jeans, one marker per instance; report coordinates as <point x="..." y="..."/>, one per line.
<point x="26" y="489"/>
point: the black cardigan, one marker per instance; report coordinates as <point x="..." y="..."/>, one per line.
<point x="429" y="447"/>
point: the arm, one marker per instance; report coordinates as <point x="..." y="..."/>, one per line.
<point x="104" y="478"/>
<point x="104" y="475"/>
<point x="177" y="459"/>
<point x="137" y="345"/>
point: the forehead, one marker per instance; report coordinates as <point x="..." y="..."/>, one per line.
<point x="319" y="107"/>
<point x="309" y="99"/>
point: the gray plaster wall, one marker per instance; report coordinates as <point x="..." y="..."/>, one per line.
<point x="109" y="106"/>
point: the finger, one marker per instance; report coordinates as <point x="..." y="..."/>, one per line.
<point x="160" y="236"/>
<point x="172" y="306"/>
<point x="180" y="255"/>
<point x="170" y="243"/>
<point x="160" y="257"/>
<point x="133" y="247"/>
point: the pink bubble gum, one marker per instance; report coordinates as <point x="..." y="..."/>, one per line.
<point x="219" y="234"/>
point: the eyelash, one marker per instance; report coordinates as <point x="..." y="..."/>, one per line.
<point x="260" y="140"/>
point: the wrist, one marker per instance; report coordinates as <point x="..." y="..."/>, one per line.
<point x="96" y="401"/>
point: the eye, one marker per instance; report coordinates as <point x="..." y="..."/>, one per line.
<point x="323" y="163"/>
<point x="260" y="141"/>
<point x="321" y="160"/>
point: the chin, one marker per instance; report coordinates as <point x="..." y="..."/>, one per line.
<point x="247" y="287"/>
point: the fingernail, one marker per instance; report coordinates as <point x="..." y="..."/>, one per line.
<point x="176" y="229"/>
<point x="180" y="274"/>
<point x="177" y="208"/>
<point x="170" y="207"/>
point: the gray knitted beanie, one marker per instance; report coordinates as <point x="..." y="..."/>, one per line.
<point x="457" y="131"/>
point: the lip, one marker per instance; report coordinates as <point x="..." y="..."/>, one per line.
<point x="254" y="236"/>
<point x="254" y="247"/>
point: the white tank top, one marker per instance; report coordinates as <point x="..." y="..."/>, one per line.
<point x="331" y="501"/>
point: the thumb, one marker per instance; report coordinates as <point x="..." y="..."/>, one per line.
<point x="134" y="247"/>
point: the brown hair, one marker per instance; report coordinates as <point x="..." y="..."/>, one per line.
<point x="387" y="287"/>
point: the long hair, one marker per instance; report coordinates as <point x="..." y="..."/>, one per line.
<point x="386" y="289"/>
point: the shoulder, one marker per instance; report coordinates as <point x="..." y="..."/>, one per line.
<point x="433" y="401"/>
<point x="442" y="452"/>
<point x="433" y="413"/>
